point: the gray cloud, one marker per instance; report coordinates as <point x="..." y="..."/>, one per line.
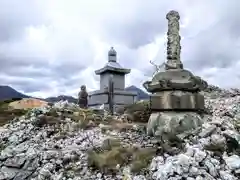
<point x="69" y="38"/>
<point x="217" y="46"/>
<point x="211" y="40"/>
<point x="16" y="15"/>
<point x="26" y="84"/>
<point x="13" y="64"/>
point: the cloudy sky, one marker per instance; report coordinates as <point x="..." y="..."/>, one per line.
<point x="51" y="47"/>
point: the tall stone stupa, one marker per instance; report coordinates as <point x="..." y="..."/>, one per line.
<point x="175" y="100"/>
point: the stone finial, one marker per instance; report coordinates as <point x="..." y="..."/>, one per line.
<point x="112" y="55"/>
<point x="173" y="15"/>
<point x="173" y="43"/>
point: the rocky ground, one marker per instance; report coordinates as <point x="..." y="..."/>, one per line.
<point x="63" y="142"/>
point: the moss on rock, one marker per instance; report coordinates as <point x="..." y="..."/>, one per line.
<point x="141" y="159"/>
<point x="7" y="114"/>
<point x="113" y="154"/>
<point x="138" y="112"/>
<point x="107" y="161"/>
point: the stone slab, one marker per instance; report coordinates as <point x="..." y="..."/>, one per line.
<point x="121" y="98"/>
<point x="176" y="100"/>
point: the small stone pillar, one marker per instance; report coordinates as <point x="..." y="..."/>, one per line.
<point x="175" y="98"/>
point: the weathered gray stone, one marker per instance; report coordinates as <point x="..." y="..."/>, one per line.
<point x="177" y="100"/>
<point x="8" y="173"/>
<point x="177" y="79"/>
<point x="22" y="175"/>
<point x="6" y="153"/>
<point x="172" y="123"/>
<point x="31" y="164"/>
<point x="16" y="161"/>
<point x="208" y="131"/>
<point x="174" y="47"/>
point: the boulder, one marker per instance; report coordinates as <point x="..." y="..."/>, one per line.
<point x="174" y="123"/>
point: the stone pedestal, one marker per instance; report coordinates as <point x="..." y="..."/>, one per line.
<point x="120" y="98"/>
<point x="174" y="123"/>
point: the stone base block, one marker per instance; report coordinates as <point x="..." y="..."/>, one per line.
<point x="166" y="124"/>
<point x="176" y="100"/>
<point x="120" y="98"/>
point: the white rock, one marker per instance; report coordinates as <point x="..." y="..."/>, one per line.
<point x="233" y="162"/>
<point x="226" y="176"/>
<point x="199" y="155"/>
<point x="140" y="177"/>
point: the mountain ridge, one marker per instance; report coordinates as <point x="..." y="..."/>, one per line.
<point x="7" y="92"/>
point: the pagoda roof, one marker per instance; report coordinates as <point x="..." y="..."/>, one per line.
<point x="113" y="67"/>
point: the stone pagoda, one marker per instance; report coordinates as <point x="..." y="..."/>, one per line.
<point x="175" y="100"/>
<point x="112" y="70"/>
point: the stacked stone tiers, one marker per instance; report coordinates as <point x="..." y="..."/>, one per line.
<point x="176" y="90"/>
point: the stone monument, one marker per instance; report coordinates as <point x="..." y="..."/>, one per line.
<point x="175" y="98"/>
<point x="116" y="95"/>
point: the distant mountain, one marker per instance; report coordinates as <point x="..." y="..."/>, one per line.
<point x="140" y="93"/>
<point x="61" y="97"/>
<point x="7" y="92"/>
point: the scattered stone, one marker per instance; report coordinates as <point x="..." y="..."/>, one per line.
<point x="64" y="151"/>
